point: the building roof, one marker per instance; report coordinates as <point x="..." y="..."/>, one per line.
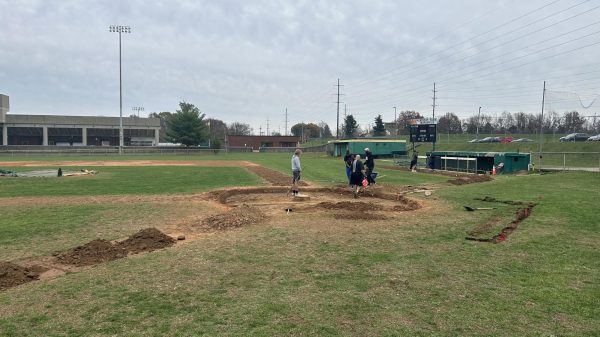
<point x="80" y="120"/>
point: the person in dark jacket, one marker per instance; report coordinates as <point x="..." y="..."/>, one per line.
<point x="370" y="165"/>
<point x="413" y="161"/>
<point x="348" y="159"/>
<point x="357" y="176"/>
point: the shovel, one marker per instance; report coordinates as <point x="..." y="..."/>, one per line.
<point x="473" y="209"/>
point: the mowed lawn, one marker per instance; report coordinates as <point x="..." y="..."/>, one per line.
<point x="306" y="275"/>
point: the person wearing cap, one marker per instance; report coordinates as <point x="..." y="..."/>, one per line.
<point x="296" y="169"/>
<point x="370" y="165"/>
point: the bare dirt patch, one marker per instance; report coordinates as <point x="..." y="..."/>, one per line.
<point x="273" y="177"/>
<point x="146" y="240"/>
<point x="240" y="216"/>
<point x="200" y="163"/>
<point x="12" y="275"/>
<point x="351" y="206"/>
<point x="360" y="216"/>
<point x="471" y="179"/>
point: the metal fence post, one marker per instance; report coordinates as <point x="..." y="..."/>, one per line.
<point x="564" y="161"/>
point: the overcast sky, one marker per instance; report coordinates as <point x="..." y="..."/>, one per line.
<point x="248" y="60"/>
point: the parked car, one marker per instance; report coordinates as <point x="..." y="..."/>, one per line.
<point x="523" y="140"/>
<point x="574" y="137"/>
<point x="474" y="141"/>
<point x="594" y="138"/>
<point x="490" y="140"/>
<point x="505" y="140"/>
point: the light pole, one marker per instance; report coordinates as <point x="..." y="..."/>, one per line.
<point x="138" y="109"/>
<point x="125" y="30"/>
<point x="478" y="119"/>
<point x="395" y="121"/>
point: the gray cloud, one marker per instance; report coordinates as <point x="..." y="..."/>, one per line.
<point x="249" y="60"/>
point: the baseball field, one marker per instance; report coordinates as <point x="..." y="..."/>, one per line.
<point x="214" y="245"/>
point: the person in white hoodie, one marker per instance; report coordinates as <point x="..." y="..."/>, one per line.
<point x="296" y="170"/>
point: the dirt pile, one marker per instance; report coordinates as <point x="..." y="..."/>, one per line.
<point x="360" y="216"/>
<point x="12" y="275"/>
<point x="350" y="206"/>
<point x="99" y="251"/>
<point x="146" y="240"/>
<point x="470" y="179"/>
<point x="240" y="216"/>
<point x="93" y="252"/>
<point x="406" y="204"/>
<point x="274" y="177"/>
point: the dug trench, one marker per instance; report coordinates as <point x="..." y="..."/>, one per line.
<point x="522" y="213"/>
<point x="251" y="205"/>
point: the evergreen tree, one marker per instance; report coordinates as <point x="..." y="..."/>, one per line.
<point x="350" y="126"/>
<point x="379" y="128"/>
<point x="186" y="126"/>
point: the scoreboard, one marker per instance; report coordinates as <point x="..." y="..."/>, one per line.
<point x="423" y="133"/>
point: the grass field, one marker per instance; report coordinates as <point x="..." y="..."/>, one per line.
<point x="302" y="274"/>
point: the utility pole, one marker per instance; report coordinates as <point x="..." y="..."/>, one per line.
<point x="345" y="111"/>
<point x="267" y="126"/>
<point x="337" y="134"/>
<point x="477" y="125"/>
<point x="260" y="130"/>
<point x="302" y="134"/>
<point x="286" y="121"/>
<point x="542" y="124"/>
<point x="395" y="122"/>
<point x="121" y="30"/>
<point x="434" y="92"/>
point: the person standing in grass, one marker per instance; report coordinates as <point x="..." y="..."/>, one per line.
<point x="413" y="161"/>
<point x="348" y="163"/>
<point x="370" y="164"/>
<point x="296" y="169"/>
<point x="357" y="176"/>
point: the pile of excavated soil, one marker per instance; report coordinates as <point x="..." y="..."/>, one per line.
<point x="99" y="251"/>
<point x="360" y="216"/>
<point x="274" y="177"/>
<point x="470" y="180"/>
<point x="240" y="216"/>
<point x="146" y="240"/>
<point x="93" y="252"/>
<point x="12" y="275"/>
<point x="350" y="206"/>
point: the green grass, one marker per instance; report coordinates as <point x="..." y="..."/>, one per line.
<point x="129" y="180"/>
<point x="32" y="230"/>
<point x="306" y="274"/>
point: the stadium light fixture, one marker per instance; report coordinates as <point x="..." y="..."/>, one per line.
<point x="121" y="30"/>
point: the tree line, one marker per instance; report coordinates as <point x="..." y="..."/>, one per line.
<point x="190" y="127"/>
<point x="520" y="122"/>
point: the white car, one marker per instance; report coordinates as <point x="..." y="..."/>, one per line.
<point x="594" y="138"/>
